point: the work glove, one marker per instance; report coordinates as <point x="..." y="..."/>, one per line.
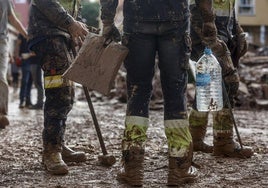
<point x="241" y="38"/>
<point x="78" y="32"/>
<point x="209" y="34"/>
<point x="109" y="31"/>
<point x="243" y="44"/>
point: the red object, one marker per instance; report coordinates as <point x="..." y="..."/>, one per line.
<point x="18" y="61"/>
<point x="53" y="71"/>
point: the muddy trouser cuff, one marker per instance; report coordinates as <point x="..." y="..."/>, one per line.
<point x="178" y="137"/>
<point x="135" y="132"/>
<point x="222" y="121"/>
<point x="197" y="119"/>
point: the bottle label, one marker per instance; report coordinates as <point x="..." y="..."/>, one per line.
<point x="202" y="79"/>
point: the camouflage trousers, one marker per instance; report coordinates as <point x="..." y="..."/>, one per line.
<point x="56" y="57"/>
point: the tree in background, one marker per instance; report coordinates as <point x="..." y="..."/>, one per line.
<point x="90" y="12"/>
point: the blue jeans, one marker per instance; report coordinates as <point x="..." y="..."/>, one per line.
<point x="26" y="82"/>
<point x="38" y="82"/>
<point x="172" y="44"/>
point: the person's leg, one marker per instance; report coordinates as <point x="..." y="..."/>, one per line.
<point x="223" y="141"/>
<point x="174" y="51"/>
<point x="37" y="79"/>
<point x="198" y="127"/>
<point x="23" y="85"/>
<point x="28" y="86"/>
<point x="59" y="100"/>
<point x="3" y="83"/>
<point x="140" y="70"/>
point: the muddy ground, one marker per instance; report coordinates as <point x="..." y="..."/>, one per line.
<point x="21" y="147"/>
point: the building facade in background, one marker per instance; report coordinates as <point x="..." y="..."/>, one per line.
<point x="252" y="15"/>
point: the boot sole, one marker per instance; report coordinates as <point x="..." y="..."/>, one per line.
<point x="232" y="155"/>
<point x="76" y="159"/>
<point x="129" y="181"/>
<point x="57" y="172"/>
<point x="181" y="181"/>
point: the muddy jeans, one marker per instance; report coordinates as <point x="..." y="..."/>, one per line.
<point x="172" y="44"/>
<point x="3" y="77"/>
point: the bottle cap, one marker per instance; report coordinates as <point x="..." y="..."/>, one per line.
<point x="207" y="51"/>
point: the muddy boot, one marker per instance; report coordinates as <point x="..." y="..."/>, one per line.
<point x="224" y="145"/>
<point x="132" y="172"/>
<point x="68" y="155"/>
<point x="198" y="127"/>
<point x="180" y="171"/>
<point x="53" y="161"/>
<point x="3" y="121"/>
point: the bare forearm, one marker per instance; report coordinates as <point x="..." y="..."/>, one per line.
<point x="13" y="20"/>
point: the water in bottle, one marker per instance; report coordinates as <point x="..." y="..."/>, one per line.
<point x="208" y="83"/>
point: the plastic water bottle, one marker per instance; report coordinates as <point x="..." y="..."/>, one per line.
<point x="208" y="83"/>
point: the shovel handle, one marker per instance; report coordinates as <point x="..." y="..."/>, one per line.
<point x="96" y="124"/>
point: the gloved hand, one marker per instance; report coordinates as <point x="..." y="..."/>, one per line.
<point x="109" y="31"/>
<point x="243" y="44"/>
<point x="241" y="38"/>
<point x="209" y="32"/>
<point x="78" y="32"/>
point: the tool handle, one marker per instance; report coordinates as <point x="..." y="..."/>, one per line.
<point x="232" y="115"/>
<point x="96" y="124"/>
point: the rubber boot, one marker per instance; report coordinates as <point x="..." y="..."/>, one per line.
<point x="180" y="170"/>
<point x="132" y="171"/>
<point x="68" y="155"/>
<point x="52" y="160"/>
<point x="223" y="141"/>
<point x="198" y="127"/>
<point x="3" y="121"/>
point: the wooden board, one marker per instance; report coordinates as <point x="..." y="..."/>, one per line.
<point x="97" y="64"/>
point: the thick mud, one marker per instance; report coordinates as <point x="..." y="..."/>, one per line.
<point x="21" y="149"/>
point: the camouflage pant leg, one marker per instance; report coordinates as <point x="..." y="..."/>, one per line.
<point x="230" y="75"/>
<point x="59" y="93"/>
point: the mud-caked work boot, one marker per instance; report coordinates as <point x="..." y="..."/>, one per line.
<point x="3" y="121"/>
<point x="224" y="145"/>
<point x="132" y="171"/>
<point x="52" y="160"/>
<point x="180" y="171"/>
<point x="198" y="127"/>
<point x="68" y="155"/>
<point x="223" y="141"/>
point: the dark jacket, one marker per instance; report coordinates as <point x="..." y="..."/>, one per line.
<point x="137" y="11"/>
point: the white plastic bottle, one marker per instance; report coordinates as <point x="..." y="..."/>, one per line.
<point x="208" y="83"/>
